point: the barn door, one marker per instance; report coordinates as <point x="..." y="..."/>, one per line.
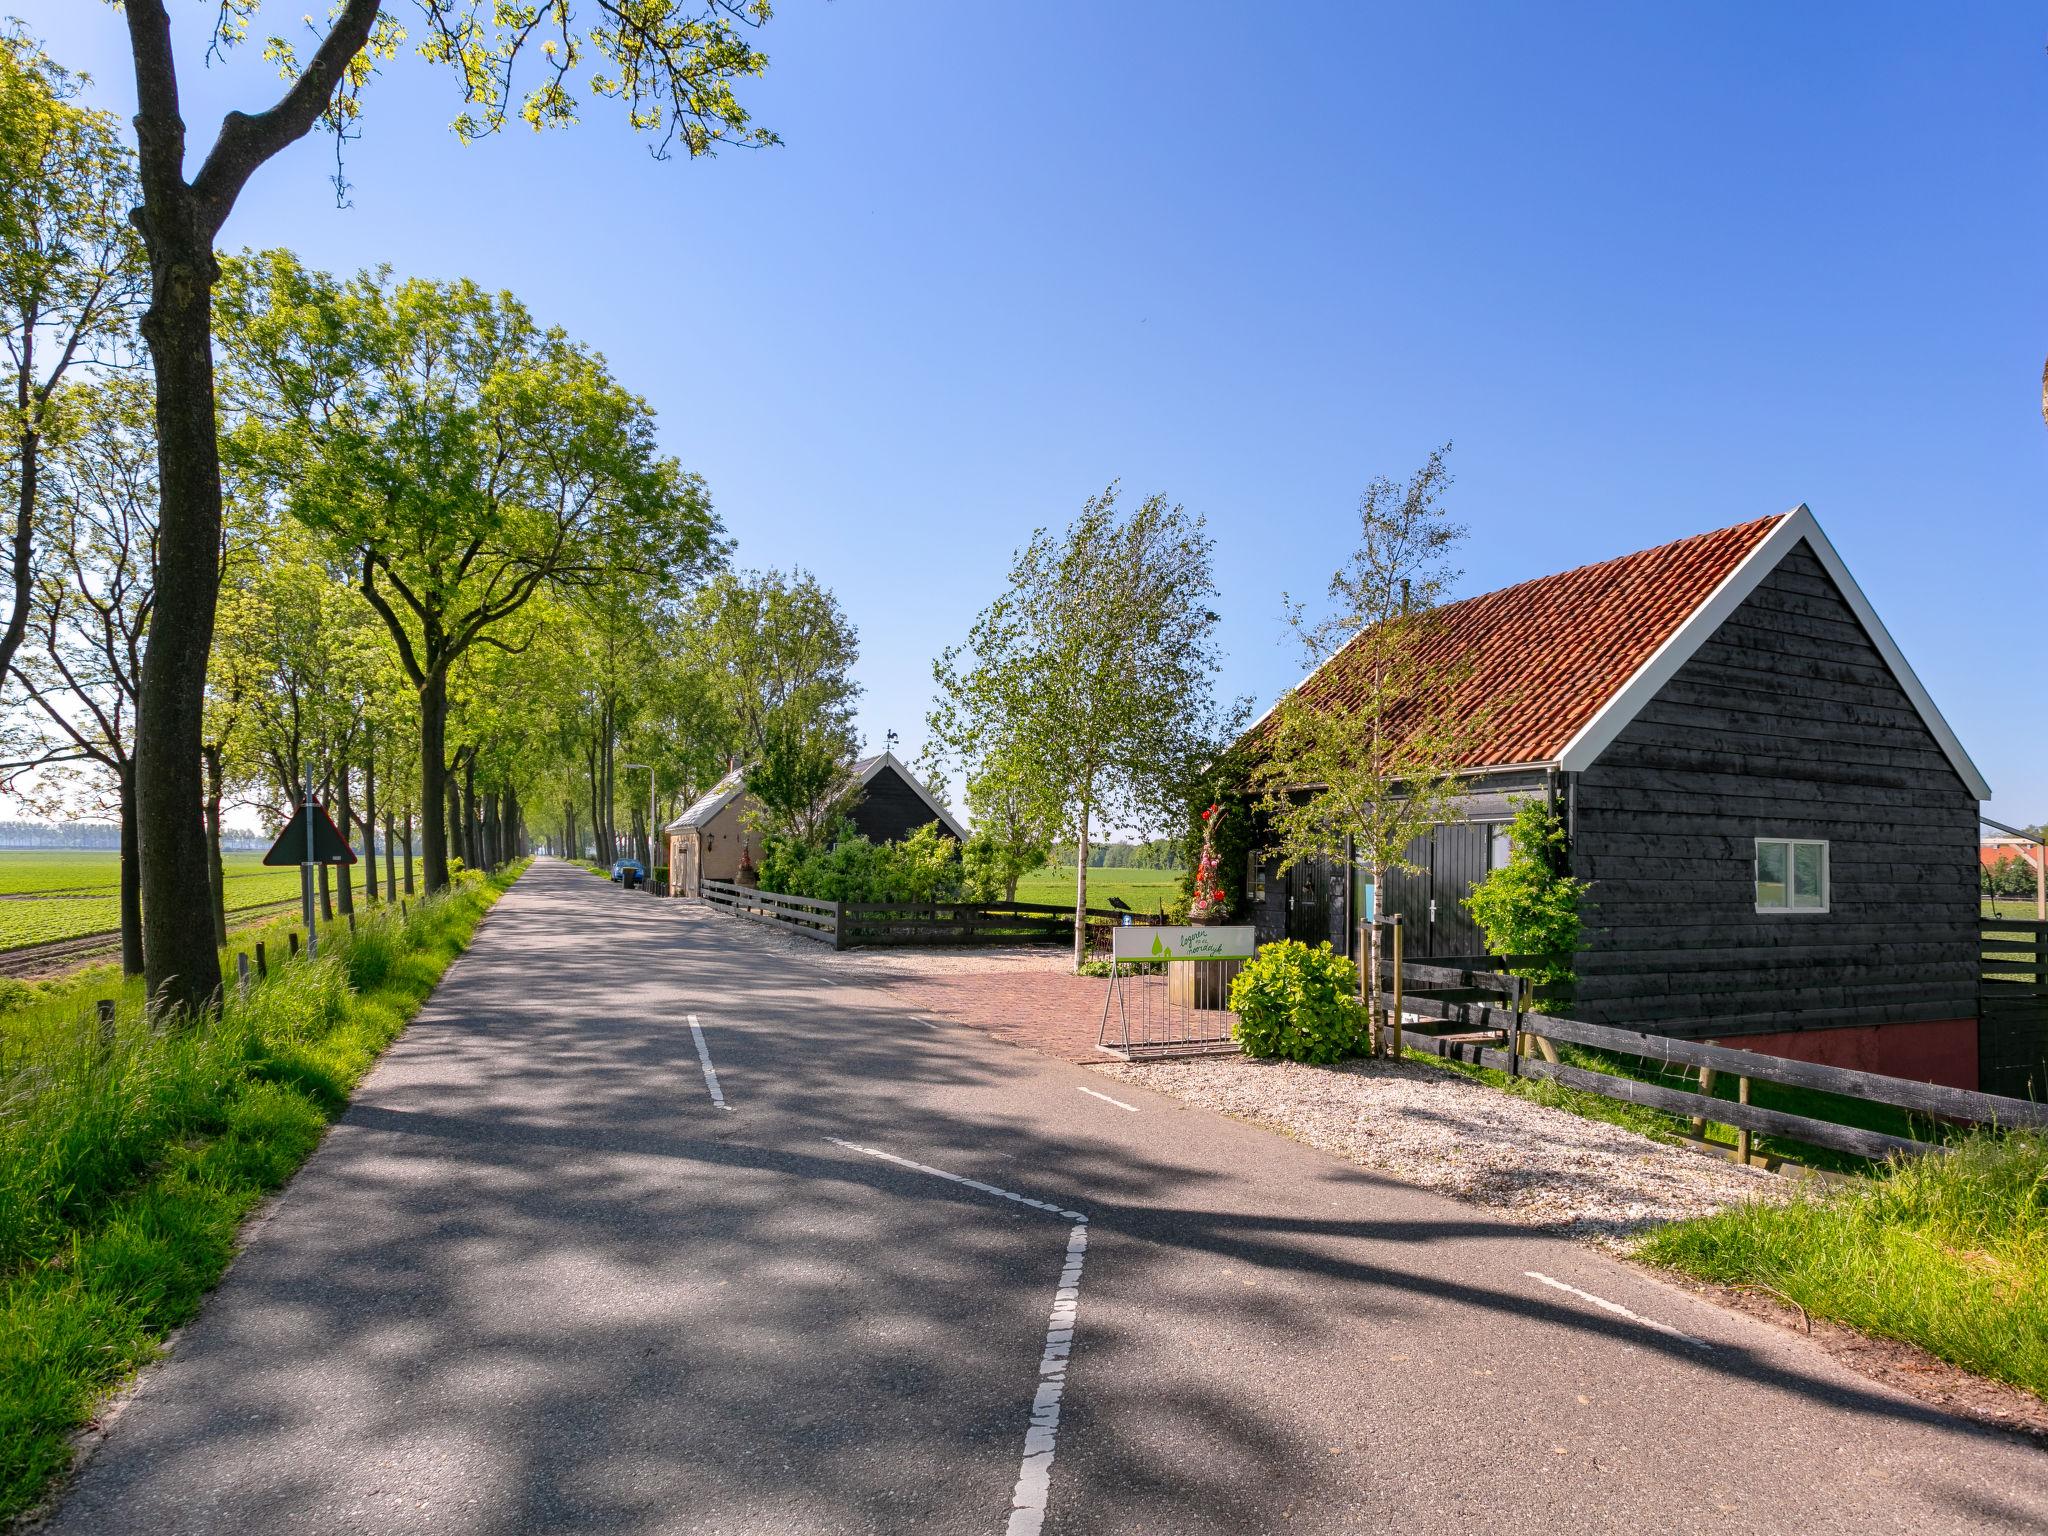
<point x="1308" y="908"/>
<point x="1457" y="863"/>
<point x="1407" y="894"/>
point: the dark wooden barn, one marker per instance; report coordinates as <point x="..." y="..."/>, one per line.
<point x="1779" y="828"/>
<point x="890" y="802"/>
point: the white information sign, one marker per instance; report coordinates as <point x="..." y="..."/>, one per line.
<point x="1184" y="943"/>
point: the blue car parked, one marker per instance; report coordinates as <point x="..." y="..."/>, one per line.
<point x="629" y="872"/>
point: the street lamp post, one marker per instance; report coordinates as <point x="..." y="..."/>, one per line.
<point x="650" y="813"/>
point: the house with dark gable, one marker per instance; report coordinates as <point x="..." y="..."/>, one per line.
<point x="886" y="802"/>
<point x="1779" y="829"/>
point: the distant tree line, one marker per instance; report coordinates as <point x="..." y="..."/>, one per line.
<point x="1153" y="853"/>
<point x="97" y="834"/>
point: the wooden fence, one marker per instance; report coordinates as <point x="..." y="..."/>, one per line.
<point x="1498" y="1034"/>
<point x="818" y="920"/>
<point x="886" y="923"/>
<point x="2012" y="994"/>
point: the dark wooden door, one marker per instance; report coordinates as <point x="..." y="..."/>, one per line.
<point x="1457" y="863"/>
<point x="1407" y="893"/>
<point x="1315" y="902"/>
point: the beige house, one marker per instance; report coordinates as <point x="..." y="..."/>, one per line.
<point x="707" y="840"/>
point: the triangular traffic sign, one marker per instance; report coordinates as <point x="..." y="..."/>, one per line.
<point x="329" y="847"/>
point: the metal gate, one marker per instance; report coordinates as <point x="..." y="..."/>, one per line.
<point x="1169" y="991"/>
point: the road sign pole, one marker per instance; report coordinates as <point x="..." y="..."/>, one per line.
<point x="306" y="870"/>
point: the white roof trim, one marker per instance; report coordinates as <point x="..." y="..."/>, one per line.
<point x="1798" y="524"/>
<point x="939" y="812"/>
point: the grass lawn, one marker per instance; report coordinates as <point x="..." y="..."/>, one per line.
<point x="2009" y="906"/>
<point x="128" y="1164"/>
<point x="63" y="893"/>
<point x="1144" y="889"/>
<point x="1947" y="1252"/>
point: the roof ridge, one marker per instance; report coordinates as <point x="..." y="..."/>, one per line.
<point x="1754" y="524"/>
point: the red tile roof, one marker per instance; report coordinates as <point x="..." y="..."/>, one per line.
<point x="1547" y="654"/>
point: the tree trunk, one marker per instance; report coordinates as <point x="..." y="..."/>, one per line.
<point x="369" y="825"/>
<point x="131" y="878"/>
<point x="326" y="894"/>
<point x="216" y="875"/>
<point x="1081" y="886"/>
<point x="433" y="785"/>
<point x="390" y="862"/>
<point x="472" y="855"/>
<point x="344" y="874"/>
<point x="408" y="851"/>
<point x="490" y="829"/>
<point x="183" y="972"/>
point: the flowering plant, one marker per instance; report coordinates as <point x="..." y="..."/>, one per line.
<point x="1209" y="902"/>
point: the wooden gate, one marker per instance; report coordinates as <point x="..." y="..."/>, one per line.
<point x="2012" y="992"/>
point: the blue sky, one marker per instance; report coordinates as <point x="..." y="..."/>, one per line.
<point x="1654" y="269"/>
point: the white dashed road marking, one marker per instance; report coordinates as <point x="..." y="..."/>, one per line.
<point x="704" y="1058"/>
<point x="1617" y="1309"/>
<point x="1119" y="1103"/>
<point x="1034" y="1473"/>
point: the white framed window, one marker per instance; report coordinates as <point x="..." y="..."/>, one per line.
<point x="1499" y="845"/>
<point x="1791" y="874"/>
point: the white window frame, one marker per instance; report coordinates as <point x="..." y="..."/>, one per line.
<point x="1789" y="844"/>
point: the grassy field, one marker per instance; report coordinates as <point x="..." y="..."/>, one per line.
<point x="128" y="1164"/>
<point x="63" y="893"/>
<point x="1950" y="1253"/>
<point x="2009" y="906"/>
<point x="1144" y="889"/>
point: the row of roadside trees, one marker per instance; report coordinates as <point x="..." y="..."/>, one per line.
<point x="397" y="539"/>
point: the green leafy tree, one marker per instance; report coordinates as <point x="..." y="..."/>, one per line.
<point x="1094" y="671"/>
<point x="800" y="778"/>
<point x="670" y="65"/>
<point x="1529" y="907"/>
<point x="768" y="648"/>
<point x="70" y="281"/>
<point x="1365" y="754"/>
<point x="1014" y="824"/>
<point x="90" y="613"/>
<point x="456" y="456"/>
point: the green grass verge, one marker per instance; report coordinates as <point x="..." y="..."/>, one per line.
<point x="127" y="1168"/>
<point x="1949" y="1252"/>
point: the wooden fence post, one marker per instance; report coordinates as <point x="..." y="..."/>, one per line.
<point x="1514" y="1026"/>
<point x="1699" y="1122"/>
<point x="293" y="939"/>
<point x="241" y="973"/>
<point x="351" y="922"/>
<point x="105" y="1009"/>
<point x="262" y="962"/>
<point x="1396" y="921"/>
<point x="1742" y="1132"/>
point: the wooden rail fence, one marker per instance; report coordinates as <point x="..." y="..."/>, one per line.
<point x="2012" y="996"/>
<point x="845" y="924"/>
<point x="1498" y="1034"/>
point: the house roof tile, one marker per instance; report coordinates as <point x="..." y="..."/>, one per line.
<point x="1546" y="655"/>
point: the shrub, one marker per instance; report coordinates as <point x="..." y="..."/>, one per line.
<point x="1530" y="905"/>
<point x="1298" y="1002"/>
<point x="924" y="866"/>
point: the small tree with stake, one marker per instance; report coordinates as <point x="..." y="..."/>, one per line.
<point x="1366" y="752"/>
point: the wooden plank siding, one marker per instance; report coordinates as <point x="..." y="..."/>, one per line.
<point x="1786" y="723"/>
<point x="889" y="810"/>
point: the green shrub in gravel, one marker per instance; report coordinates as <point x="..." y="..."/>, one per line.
<point x="1299" y="1003"/>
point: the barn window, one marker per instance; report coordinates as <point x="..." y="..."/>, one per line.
<point x="1499" y="846"/>
<point x="1791" y="875"/>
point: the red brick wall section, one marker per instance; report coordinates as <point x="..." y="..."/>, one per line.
<point x="1940" y="1051"/>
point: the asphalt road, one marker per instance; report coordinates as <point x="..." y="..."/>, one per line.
<point x="538" y="1279"/>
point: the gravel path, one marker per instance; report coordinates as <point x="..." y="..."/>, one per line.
<point x="1540" y="1166"/>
